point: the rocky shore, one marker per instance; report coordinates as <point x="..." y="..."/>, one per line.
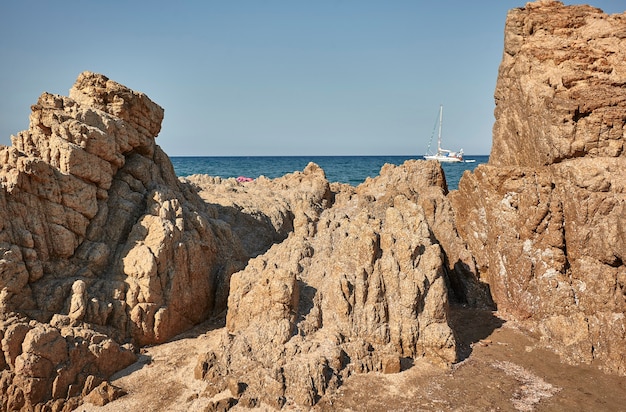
<point x="288" y="292"/>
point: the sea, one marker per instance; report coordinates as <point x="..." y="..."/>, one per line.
<point x="345" y="169"/>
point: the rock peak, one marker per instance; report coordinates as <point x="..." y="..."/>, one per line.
<point x="97" y="91"/>
<point x="544" y="218"/>
<point x="101" y="248"/>
<point x="566" y="66"/>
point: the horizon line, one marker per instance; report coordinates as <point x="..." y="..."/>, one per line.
<point x="320" y="155"/>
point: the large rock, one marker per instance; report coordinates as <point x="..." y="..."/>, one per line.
<point x="426" y="185"/>
<point x="560" y="91"/>
<point x="359" y="285"/>
<point x="44" y="364"/>
<point x="544" y="219"/>
<point x="98" y="234"/>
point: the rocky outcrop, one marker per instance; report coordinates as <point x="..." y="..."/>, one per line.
<point x="359" y="285"/>
<point x="544" y="219"/>
<point x="54" y="366"/>
<point x="560" y="88"/>
<point x="100" y="244"/>
<point x="426" y="185"/>
<point x="104" y="250"/>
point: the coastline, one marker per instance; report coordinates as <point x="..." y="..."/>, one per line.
<point x="352" y="170"/>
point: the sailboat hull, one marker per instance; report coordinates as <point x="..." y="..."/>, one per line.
<point x="447" y="159"/>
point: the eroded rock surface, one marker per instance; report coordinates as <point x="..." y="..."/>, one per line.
<point x="544" y="219"/>
<point x="360" y="285"/>
<point x="560" y="91"/>
<point x="100" y="244"/>
<point x="104" y="250"/>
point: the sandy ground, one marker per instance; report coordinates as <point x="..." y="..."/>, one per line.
<point x="503" y="370"/>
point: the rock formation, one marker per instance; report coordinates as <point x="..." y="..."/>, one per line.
<point x="544" y="219"/>
<point x="100" y="244"/>
<point x="103" y="249"/>
<point x="359" y="285"/>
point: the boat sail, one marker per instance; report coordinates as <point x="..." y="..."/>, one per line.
<point x="443" y="155"/>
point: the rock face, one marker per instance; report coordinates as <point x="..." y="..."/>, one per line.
<point x="544" y="219"/>
<point x="359" y="285"/>
<point x="560" y="90"/>
<point x="100" y="244"/>
<point x="103" y="249"/>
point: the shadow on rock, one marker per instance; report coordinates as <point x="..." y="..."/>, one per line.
<point x="470" y="326"/>
<point x="142" y="361"/>
<point x="256" y="230"/>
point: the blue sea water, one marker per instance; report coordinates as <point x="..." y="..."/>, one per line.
<point x="345" y="169"/>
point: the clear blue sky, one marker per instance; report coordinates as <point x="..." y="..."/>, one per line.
<point x="272" y="77"/>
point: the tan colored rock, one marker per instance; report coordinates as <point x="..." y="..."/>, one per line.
<point x="266" y="211"/>
<point x="104" y="394"/>
<point x="560" y="91"/>
<point x="102" y="245"/>
<point x="357" y="284"/>
<point x="99" y="234"/>
<point x="99" y="191"/>
<point x="391" y="364"/>
<point x="78" y="302"/>
<point x="426" y="185"/>
<point x="222" y="405"/>
<point x="543" y="219"/>
<point x="50" y="363"/>
<point x="14" y="333"/>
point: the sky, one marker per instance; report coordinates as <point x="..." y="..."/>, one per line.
<point x="272" y="77"/>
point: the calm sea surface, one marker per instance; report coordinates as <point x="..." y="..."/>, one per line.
<point x="345" y="169"/>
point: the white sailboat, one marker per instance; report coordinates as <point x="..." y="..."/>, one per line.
<point x="443" y="155"/>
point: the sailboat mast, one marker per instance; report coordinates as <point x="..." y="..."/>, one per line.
<point x="440" y="123"/>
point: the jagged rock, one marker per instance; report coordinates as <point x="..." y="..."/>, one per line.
<point x="45" y="362"/>
<point x="426" y="185"/>
<point x="266" y="211"/>
<point x="356" y="286"/>
<point x="543" y="219"/>
<point x="222" y="405"/>
<point x="103" y="248"/>
<point x="104" y="394"/>
<point x="100" y="243"/>
<point x="391" y="364"/>
<point x="560" y="92"/>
